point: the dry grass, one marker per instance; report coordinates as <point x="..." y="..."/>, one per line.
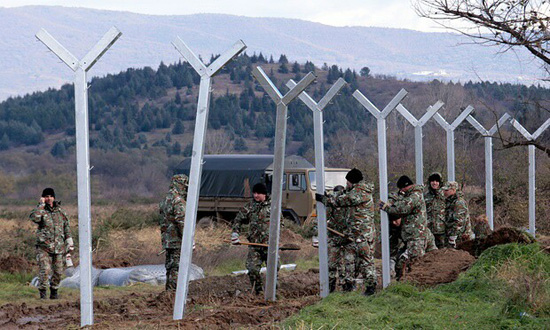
<point x="528" y="288"/>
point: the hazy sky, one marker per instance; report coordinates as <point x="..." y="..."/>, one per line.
<point x="382" y="13"/>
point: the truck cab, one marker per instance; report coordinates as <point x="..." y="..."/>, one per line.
<point x="227" y="182"/>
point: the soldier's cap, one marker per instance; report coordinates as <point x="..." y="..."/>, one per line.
<point x="338" y="188"/>
<point x="48" y="192"/>
<point x="180" y="180"/>
<point x="450" y="185"/>
<point x="435" y="177"/>
<point x="404" y="181"/>
<point x="354" y="176"/>
<point x="259" y="188"/>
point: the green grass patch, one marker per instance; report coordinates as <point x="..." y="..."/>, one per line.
<point x="506" y="288"/>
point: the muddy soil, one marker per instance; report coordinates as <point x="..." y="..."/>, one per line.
<point x="438" y="267"/>
<point x="501" y="236"/>
<point x="214" y="303"/>
<point x="14" y="264"/>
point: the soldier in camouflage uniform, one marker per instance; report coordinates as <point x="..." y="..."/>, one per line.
<point x="172" y="210"/>
<point x="359" y="258"/>
<point x="257" y="213"/>
<point x="457" y="216"/>
<point x="435" y="209"/>
<point x="411" y="208"/>
<point x="53" y="241"/>
<point x="337" y="219"/>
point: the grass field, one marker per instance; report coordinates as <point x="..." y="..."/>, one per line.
<point x="507" y="288"/>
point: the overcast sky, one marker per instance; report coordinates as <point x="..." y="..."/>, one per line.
<point x="381" y="13"/>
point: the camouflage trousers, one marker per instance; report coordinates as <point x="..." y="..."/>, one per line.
<point x="440" y="240"/>
<point x="50" y="264"/>
<point x="336" y="255"/>
<point x="431" y="242"/>
<point x="256" y="257"/>
<point x="416" y="248"/>
<point x="359" y="261"/>
<point x="172" y="265"/>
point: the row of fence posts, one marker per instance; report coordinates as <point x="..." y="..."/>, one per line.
<point x="81" y="67"/>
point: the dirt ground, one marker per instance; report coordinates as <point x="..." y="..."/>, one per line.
<point x="503" y="235"/>
<point x="219" y="302"/>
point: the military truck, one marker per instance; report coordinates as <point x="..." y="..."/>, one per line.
<point x="227" y="182"/>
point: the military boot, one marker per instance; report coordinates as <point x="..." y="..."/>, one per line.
<point x="331" y="286"/>
<point x="348" y="287"/>
<point x="370" y="290"/>
<point x="42" y="293"/>
<point x="53" y="293"/>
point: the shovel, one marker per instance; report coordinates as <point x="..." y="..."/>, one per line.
<point x="282" y="247"/>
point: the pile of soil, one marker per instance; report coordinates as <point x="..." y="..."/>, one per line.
<point x="438" y="267"/>
<point x="214" y="303"/>
<point x="501" y="236"/>
<point x="14" y="264"/>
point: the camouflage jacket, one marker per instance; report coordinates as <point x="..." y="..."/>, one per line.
<point x="337" y="219"/>
<point x="172" y="210"/>
<point x="411" y="208"/>
<point x="435" y="210"/>
<point x="457" y="217"/>
<point x="53" y="227"/>
<point x="360" y="208"/>
<point x="257" y="214"/>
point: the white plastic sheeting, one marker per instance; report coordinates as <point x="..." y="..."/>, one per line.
<point x="150" y="274"/>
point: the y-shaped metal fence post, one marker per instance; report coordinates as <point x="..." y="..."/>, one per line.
<point x="82" y="156"/>
<point x="488" y="137"/>
<point x="278" y="166"/>
<point x="417" y="124"/>
<point x="531" y="137"/>
<point x="317" y="109"/>
<point x="450" y="130"/>
<point x="382" y="171"/>
<point x="195" y="173"/>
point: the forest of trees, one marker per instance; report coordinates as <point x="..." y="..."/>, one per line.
<point x="125" y="107"/>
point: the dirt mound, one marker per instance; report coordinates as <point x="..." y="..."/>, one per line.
<point x="438" y="267"/>
<point x="13" y="264"/>
<point x="501" y="236"/>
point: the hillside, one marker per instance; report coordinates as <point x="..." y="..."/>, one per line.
<point x="141" y="127"/>
<point x="27" y="66"/>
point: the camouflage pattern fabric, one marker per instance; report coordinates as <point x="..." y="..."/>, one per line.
<point x="172" y="210"/>
<point x="410" y="207"/>
<point x="53" y="227"/>
<point x="359" y="254"/>
<point x="256" y="257"/>
<point x="52" y="232"/>
<point x="257" y="214"/>
<point x="172" y="264"/>
<point x="457" y="218"/>
<point x="435" y="211"/>
<point x="50" y="264"/>
<point x="337" y="219"/>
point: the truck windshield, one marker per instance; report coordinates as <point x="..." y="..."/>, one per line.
<point x="332" y="179"/>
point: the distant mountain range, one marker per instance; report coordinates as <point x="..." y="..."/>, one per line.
<point x="26" y="65"/>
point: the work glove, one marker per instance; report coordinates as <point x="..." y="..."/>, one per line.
<point x="68" y="260"/>
<point x="405" y="255"/>
<point x="320" y="198"/>
<point x="315" y="241"/>
<point x="70" y="244"/>
<point x="452" y="241"/>
<point x="194" y="245"/>
<point x="235" y="238"/>
<point x="382" y="205"/>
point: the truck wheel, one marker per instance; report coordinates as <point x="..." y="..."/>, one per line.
<point x="206" y="223"/>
